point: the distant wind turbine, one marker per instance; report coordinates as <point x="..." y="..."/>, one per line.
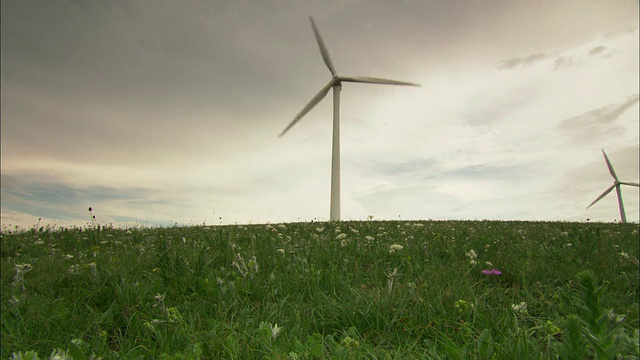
<point x="616" y="184"/>
<point x="335" y="83"/>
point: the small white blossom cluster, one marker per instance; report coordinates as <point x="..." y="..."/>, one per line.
<point x="472" y="257"/>
<point x="521" y="308"/>
<point x="395" y="247"/>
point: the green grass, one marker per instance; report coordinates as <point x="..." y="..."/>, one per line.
<point x="218" y="292"/>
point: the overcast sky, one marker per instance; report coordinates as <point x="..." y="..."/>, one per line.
<point x="163" y="112"/>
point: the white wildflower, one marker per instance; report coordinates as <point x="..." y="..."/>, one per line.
<point x="275" y="331"/>
<point x="73" y="269"/>
<point x="522" y="307"/>
<point x="395" y="247"/>
<point x="281" y="251"/>
<point x="391" y="279"/>
<point x="21" y="269"/>
<point x="472" y="255"/>
<point x="341" y="236"/>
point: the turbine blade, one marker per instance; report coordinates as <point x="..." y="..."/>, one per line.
<point x="314" y="101"/>
<point x="373" y="80"/>
<point x="613" y="173"/>
<point x="323" y="48"/>
<point x="602" y="195"/>
<point x="630" y="183"/>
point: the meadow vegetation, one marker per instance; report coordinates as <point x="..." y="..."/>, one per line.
<point x="343" y="290"/>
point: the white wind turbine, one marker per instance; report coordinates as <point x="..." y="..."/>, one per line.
<point x="616" y="184"/>
<point x="335" y="83"/>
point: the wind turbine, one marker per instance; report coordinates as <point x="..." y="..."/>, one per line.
<point x="616" y="184"/>
<point x="336" y="84"/>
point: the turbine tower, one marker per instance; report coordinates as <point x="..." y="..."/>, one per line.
<point x="336" y="84"/>
<point x="616" y="184"/>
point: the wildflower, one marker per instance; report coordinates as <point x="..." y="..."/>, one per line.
<point x="159" y="300"/>
<point x="624" y="255"/>
<point x="319" y="229"/>
<point x="344" y="242"/>
<point x="21" y="269"/>
<point x="275" y="331"/>
<point x="38" y="242"/>
<point x="281" y="251"/>
<point x="391" y="279"/>
<point x="73" y="269"/>
<point x="369" y="238"/>
<point x="492" y="272"/>
<point x="341" y="236"/>
<point x="395" y="247"/>
<point x="68" y="256"/>
<point x="522" y="307"/>
<point x="355" y="231"/>
<point x="489" y="263"/>
<point x="472" y="255"/>
<point x="473" y="262"/>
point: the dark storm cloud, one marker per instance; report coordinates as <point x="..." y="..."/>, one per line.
<point x="124" y="77"/>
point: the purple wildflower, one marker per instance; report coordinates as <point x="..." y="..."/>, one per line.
<point x="492" y="272"/>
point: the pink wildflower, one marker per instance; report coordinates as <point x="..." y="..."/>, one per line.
<point x="492" y="272"/>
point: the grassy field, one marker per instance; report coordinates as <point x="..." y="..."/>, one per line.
<point x="346" y="290"/>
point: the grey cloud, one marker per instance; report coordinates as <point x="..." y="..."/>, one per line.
<point x="597" y="50"/>
<point x="20" y="192"/>
<point x="522" y="61"/>
<point x="563" y="62"/>
<point x="596" y="123"/>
